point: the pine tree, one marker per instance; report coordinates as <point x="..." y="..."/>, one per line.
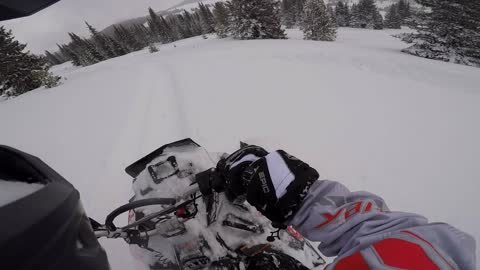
<point x="183" y="26"/>
<point x="116" y="47"/>
<point x="403" y="10"/>
<point x="86" y="51"/>
<point x="156" y="27"/>
<point x="299" y="9"/>
<point x="170" y="33"/>
<point x="366" y="15"/>
<point x="377" y="20"/>
<point x="289" y="12"/>
<point x="134" y="39"/>
<point x="20" y="71"/>
<point x="449" y="30"/>
<point x="221" y="15"/>
<point x="100" y="42"/>
<point x="331" y="13"/>
<point x="317" y="23"/>
<point x="141" y="34"/>
<point x="61" y="56"/>
<point x="194" y="23"/>
<point x="342" y="14"/>
<point x="392" y="18"/>
<point x="127" y="38"/>
<point x="255" y="19"/>
<point x="52" y="58"/>
<point x="65" y="50"/>
<point x="207" y="20"/>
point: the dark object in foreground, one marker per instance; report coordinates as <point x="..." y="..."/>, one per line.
<point x="12" y="9"/>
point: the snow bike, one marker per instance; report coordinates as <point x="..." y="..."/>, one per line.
<point x="175" y="221"/>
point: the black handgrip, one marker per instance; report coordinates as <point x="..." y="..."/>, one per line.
<point x="135" y="204"/>
<point x="209" y="181"/>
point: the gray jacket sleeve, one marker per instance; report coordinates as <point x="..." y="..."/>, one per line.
<point x="347" y="222"/>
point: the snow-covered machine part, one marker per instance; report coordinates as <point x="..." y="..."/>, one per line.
<point x="208" y="232"/>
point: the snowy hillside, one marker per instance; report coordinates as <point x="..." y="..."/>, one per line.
<point x="357" y="109"/>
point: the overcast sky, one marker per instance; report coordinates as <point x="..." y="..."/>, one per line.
<point x="44" y="29"/>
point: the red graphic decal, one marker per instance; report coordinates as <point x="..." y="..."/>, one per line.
<point x="440" y="255"/>
<point x="329" y="218"/>
<point x="352" y="262"/>
<point x="369" y="206"/>
<point x="404" y="255"/>
<point x="348" y="212"/>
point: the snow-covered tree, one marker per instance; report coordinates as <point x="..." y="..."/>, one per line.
<point x="221" y="15"/>
<point x="20" y="71"/>
<point x="448" y="30"/>
<point x="342" y="14"/>
<point x="392" y="18"/>
<point x="255" y="19"/>
<point x="317" y="24"/>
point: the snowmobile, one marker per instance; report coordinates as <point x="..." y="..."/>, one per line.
<point x="176" y="220"/>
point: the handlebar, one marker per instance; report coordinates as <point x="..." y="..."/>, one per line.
<point x="204" y="182"/>
<point x="135" y="204"/>
<point x="123" y="234"/>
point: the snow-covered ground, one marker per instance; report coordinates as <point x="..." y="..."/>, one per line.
<point x="357" y="109"/>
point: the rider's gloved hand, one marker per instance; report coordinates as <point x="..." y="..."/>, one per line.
<point x="275" y="183"/>
<point x="232" y="167"/>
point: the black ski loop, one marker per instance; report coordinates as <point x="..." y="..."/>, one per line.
<point x="273" y="235"/>
<point x="276" y="234"/>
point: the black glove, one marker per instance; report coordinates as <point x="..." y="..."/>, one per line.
<point x="276" y="185"/>
<point x="231" y="168"/>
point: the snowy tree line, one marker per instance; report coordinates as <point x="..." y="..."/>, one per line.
<point x="264" y="19"/>
<point x="446" y="30"/>
<point x="99" y="47"/>
<point x="365" y="14"/>
<point x="241" y="19"/>
<point x="21" y="71"/>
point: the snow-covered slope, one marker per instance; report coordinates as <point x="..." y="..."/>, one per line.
<point x="357" y="109"/>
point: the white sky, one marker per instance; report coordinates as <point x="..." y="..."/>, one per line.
<point x="44" y="29"/>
